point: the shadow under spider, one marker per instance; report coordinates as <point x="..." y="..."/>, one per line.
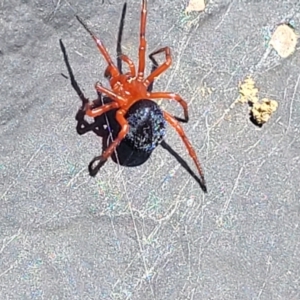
<point x="106" y="126"/>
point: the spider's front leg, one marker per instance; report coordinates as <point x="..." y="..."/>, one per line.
<point x="120" y="117"/>
<point x="163" y="67"/>
<point x="128" y="61"/>
<point x="156" y="71"/>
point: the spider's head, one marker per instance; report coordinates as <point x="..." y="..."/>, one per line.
<point x="147" y="126"/>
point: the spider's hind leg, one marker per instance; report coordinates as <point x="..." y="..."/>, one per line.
<point x="176" y="97"/>
<point x="173" y="122"/>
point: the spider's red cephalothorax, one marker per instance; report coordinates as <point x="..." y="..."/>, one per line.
<point x="129" y="88"/>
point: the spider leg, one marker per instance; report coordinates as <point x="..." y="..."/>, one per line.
<point x="153" y="68"/>
<point x="160" y="69"/>
<point x="120" y="117"/>
<point x="111" y="94"/>
<point x="113" y="70"/>
<point x="143" y="42"/>
<point x="127" y="60"/>
<point x="130" y="64"/>
<point x="176" y="97"/>
<point x="172" y="121"/>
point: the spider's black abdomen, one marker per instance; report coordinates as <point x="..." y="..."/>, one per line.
<point x="147" y="126"/>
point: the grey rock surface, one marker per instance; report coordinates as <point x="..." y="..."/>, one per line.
<point x="148" y="232"/>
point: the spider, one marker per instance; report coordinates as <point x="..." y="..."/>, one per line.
<point x="141" y="121"/>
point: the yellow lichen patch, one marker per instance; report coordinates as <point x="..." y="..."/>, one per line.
<point x="248" y="91"/>
<point x="195" y="5"/>
<point x="261" y="112"/>
<point x="284" y="40"/>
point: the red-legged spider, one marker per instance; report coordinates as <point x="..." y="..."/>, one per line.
<point x="130" y="97"/>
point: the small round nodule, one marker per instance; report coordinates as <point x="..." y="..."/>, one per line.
<point x="147" y="126"/>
